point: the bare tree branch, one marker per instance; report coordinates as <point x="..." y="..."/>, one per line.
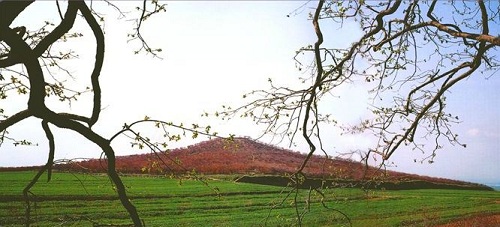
<point x="96" y="29"/>
<point x="14" y="119"/>
<point x="52" y="148"/>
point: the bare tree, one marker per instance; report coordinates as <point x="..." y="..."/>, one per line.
<point x="411" y="52"/>
<point x="32" y="50"/>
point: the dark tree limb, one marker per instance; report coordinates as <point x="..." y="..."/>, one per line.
<point x="27" y="193"/>
<point x="99" y="59"/>
<point x="9" y="10"/>
<point x="52" y="148"/>
<point x="75" y="117"/>
<point x="104" y="144"/>
<point x="317" y="84"/>
<point x="65" y="25"/>
<point x="14" y="119"/>
<point x="495" y="40"/>
<point x="47" y="167"/>
<point x="352" y="51"/>
<point x="21" y="51"/>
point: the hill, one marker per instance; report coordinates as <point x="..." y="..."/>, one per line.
<point x="240" y="156"/>
<point x="244" y="156"/>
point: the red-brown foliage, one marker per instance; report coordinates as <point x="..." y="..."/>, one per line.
<point x="243" y="156"/>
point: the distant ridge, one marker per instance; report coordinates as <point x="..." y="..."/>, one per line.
<point x="244" y="156"/>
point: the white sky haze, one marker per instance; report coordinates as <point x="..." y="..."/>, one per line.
<point x="213" y="53"/>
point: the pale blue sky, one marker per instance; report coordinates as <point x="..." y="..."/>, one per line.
<point x="213" y="53"/>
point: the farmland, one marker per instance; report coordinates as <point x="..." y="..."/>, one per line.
<point x="86" y="199"/>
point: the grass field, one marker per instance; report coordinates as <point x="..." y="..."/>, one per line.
<point x="83" y="199"/>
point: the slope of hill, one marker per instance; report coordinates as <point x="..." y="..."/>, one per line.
<point x="219" y="156"/>
<point x="244" y="156"/>
<point x="248" y="157"/>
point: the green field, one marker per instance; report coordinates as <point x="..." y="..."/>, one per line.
<point x="84" y="199"/>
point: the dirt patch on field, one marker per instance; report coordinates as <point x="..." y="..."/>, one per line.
<point x="483" y="220"/>
<point x="349" y="183"/>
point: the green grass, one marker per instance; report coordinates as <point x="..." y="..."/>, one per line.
<point x="81" y="199"/>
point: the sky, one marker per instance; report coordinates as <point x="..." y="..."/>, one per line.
<point x="213" y="53"/>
